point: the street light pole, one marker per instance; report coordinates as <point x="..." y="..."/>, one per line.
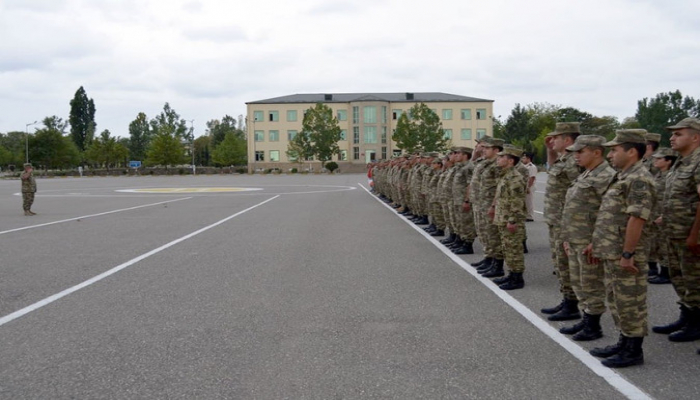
<point x="26" y="140"/>
<point x="192" y="148"/>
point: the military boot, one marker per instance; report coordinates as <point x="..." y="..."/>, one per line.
<point x="496" y="270"/>
<point x="553" y="310"/>
<point x="653" y="271"/>
<point x="662" y="278"/>
<point x="437" y="232"/>
<point x="525" y="247"/>
<point x="423" y="220"/>
<point x="516" y="281"/>
<point x="430" y="227"/>
<point x="32" y="212"/>
<point x="575" y="328"/>
<point x="673" y="326"/>
<point x="26" y="212"/>
<point x="568" y="312"/>
<point x="611" y="350"/>
<point x="503" y="279"/>
<point x="456" y="244"/>
<point x="450" y="239"/>
<point x="486" y="260"/>
<point x="467" y="248"/>
<point x="486" y="267"/>
<point x="691" y="330"/>
<point x="631" y="354"/>
<point x="591" y="329"/>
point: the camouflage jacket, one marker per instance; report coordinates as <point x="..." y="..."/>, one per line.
<point x="474" y="185"/>
<point x="649" y="164"/>
<point x="461" y="180"/>
<point x="28" y="182"/>
<point x="433" y="186"/>
<point x="681" y="196"/>
<point x="660" y="181"/>
<point x="487" y="184"/>
<point x="559" y="178"/>
<point x="446" y="190"/>
<point x="510" y="198"/>
<point x="631" y="193"/>
<point x="582" y="202"/>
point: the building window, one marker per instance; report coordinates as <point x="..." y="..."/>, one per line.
<point x="383" y="114"/>
<point x="447" y="114"/>
<point x="355" y="134"/>
<point x="343" y="155"/>
<point x="342" y="115"/>
<point x="480" y="113"/>
<point x="465" y="113"/>
<point x="384" y="153"/>
<point x="447" y="133"/>
<point x="395" y="114"/>
<point x="259" y="155"/>
<point x="291" y="135"/>
<point x="383" y="134"/>
<point x="258" y="116"/>
<point x="355" y="153"/>
<point x="291" y="115"/>
<point x="259" y="136"/>
<point x="480" y="133"/>
<point x="370" y="114"/>
<point x="343" y="134"/>
<point x="356" y="115"/>
<point x="370" y="134"/>
<point x="274" y="116"/>
<point x="466" y="134"/>
<point x="274" y="155"/>
<point x="274" y="136"/>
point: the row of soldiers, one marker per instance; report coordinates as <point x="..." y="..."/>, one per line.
<point x="613" y="226"/>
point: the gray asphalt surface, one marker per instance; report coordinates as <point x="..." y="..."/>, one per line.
<point x="321" y="293"/>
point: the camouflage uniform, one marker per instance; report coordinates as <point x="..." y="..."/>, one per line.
<point x="658" y="242"/>
<point x="464" y="220"/>
<point x="474" y="187"/>
<point x="559" y="178"/>
<point x="509" y="199"/>
<point x="578" y="220"/>
<point x="446" y="197"/>
<point x="487" y="191"/>
<point x="631" y="193"/>
<point x="435" y="195"/>
<point x="28" y="190"/>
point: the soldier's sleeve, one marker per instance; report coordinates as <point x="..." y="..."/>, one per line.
<point x="641" y="196"/>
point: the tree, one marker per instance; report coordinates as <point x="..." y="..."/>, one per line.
<point x="218" y="129"/>
<point x="165" y="149"/>
<point x="421" y="131"/>
<point x="50" y="148"/>
<point x="106" y="151"/>
<point x="518" y="129"/>
<point x="139" y="137"/>
<point x="231" y="151"/>
<point x="300" y="148"/>
<point x="323" y="132"/>
<point x="665" y="109"/>
<point x="170" y="120"/>
<point x="14" y="144"/>
<point x="202" y="152"/>
<point x="82" y="119"/>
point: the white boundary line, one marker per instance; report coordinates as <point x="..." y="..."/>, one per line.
<point x="616" y="380"/>
<point x="91" y="216"/>
<point x="57" y="296"/>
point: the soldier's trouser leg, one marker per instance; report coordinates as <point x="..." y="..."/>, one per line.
<point x="684" y="269"/>
<point x="458" y="219"/>
<point x="512" y="245"/>
<point x="483" y="231"/>
<point x="446" y="213"/>
<point x="528" y="205"/>
<point x="27" y="201"/>
<point x="494" y="240"/>
<point x="469" y="226"/>
<point x="626" y="294"/>
<point x="438" y="216"/>
<point x="561" y="262"/>
<point x="587" y="281"/>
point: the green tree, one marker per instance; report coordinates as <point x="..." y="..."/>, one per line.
<point x="6" y="156"/>
<point x="170" y="120"/>
<point x="299" y="148"/>
<point x="202" y="151"/>
<point x="323" y="132"/>
<point x="665" y="109"/>
<point x="231" y="151"/>
<point x="14" y="142"/>
<point x="519" y="129"/>
<point x="166" y="149"/>
<point x="82" y="119"/>
<point x="422" y="131"/>
<point x="139" y="137"/>
<point x="218" y="129"/>
<point x="50" y="148"/>
<point x="106" y="151"/>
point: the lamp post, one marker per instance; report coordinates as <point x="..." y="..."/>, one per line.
<point x="26" y="140"/>
<point x="192" y="148"/>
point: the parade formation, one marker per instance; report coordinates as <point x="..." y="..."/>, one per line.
<point x="621" y="214"/>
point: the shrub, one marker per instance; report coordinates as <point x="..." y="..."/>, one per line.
<point x="331" y="166"/>
<point x="294" y="170"/>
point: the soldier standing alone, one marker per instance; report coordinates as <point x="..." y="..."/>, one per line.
<point x="28" y="189"/>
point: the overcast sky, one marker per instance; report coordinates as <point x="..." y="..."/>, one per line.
<point x="207" y="58"/>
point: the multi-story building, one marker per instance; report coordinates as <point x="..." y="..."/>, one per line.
<point x="367" y="120"/>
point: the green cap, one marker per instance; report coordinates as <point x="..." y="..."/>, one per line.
<point x="690" y="122"/>
<point x="566" y="127"/>
<point x="653" y="137"/>
<point x="662" y="152"/>
<point x="586" y="140"/>
<point x="627" y="136"/>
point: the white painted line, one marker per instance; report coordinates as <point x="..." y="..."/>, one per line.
<point x="57" y="296"/>
<point x="616" y="380"/>
<point x="91" y="216"/>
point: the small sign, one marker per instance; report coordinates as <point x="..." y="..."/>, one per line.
<point x="134" y="164"/>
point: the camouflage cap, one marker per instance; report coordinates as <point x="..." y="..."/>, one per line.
<point x="662" y="152"/>
<point x="690" y="122"/>
<point x="28" y="165"/>
<point x="511" y="150"/>
<point x="464" y="150"/>
<point x="484" y="139"/>
<point x="587" y="140"/>
<point x="493" y="142"/>
<point x="653" y="137"/>
<point x="627" y="136"/>
<point x="566" y="127"/>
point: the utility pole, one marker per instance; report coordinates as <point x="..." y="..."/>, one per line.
<point x="26" y="141"/>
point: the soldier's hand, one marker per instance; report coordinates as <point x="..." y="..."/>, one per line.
<point x="492" y="212"/>
<point x="511" y="227"/>
<point x="628" y="265"/>
<point x="588" y="252"/>
<point x="567" y="248"/>
<point x="692" y="243"/>
<point x="549" y="142"/>
<point x="466" y="207"/>
<point x="659" y="221"/>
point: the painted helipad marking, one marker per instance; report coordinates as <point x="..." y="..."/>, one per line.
<point x="189" y="190"/>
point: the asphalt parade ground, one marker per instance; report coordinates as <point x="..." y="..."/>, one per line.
<point x="283" y="287"/>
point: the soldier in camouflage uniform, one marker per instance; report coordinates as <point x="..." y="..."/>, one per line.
<point x="680" y="224"/>
<point x="440" y="220"/>
<point x="28" y="189"/>
<point x="619" y="242"/>
<point x="456" y="195"/>
<point x="464" y="221"/>
<point x="562" y="172"/>
<point x="446" y="195"/>
<point x="509" y="216"/>
<point x="653" y="142"/>
<point x="473" y="193"/>
<point x="578" y="219"/>
<point x="487" y="191"/>
<point x="436" y="216"/>
<point x="664" y="159"/>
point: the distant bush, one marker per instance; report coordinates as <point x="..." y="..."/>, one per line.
<point x="331" y="166"/>
<point x="294" y="170"/>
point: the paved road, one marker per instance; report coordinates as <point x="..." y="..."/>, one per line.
<point x="306" y="288"/>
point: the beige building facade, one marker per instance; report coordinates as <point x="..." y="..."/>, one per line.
<point x="367" y="120"/>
